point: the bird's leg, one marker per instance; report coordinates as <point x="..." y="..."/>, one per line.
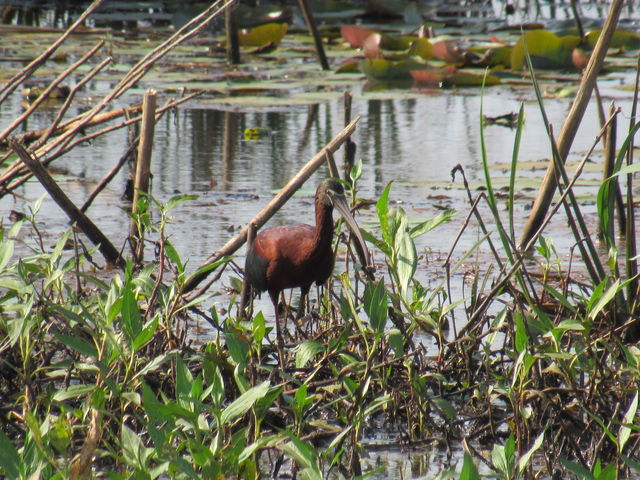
<point x="302" y="306"/>
<point x="279" y="343"/>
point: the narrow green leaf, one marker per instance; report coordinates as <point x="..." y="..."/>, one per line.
<point x="625" y="431"/>
<point x="306" y="351"/>
<point x="131" y="319"/>
<point x="76" y="344"/>
<point x="9" y="458"/>
<point x="243" y="403"/>
<point x="432" y="223"/>
<point x="608" y="295"/>
<point x="376" y="305"/>
<point x="469" y="470"/>
<point x="73" y="391"/>
<point x="382" y="206"/>
<point x="524" y="460"/>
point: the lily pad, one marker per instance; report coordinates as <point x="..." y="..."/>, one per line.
<point x="382" y="69"/>
<point x="452" y="77"/>
<point x="263" y="34"/>
<point x="547" y="50"/>
<point x="621" y="39"/>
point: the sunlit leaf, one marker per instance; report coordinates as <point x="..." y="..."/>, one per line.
<point x="621" y="39"/>
<point x="262" y="34"/>
<point x="243" y="403"/>
<point x="547" y="50"/>
<point x="625" y="431"/>
<point x="421" y="47"/>
<point x="306" y="351"/>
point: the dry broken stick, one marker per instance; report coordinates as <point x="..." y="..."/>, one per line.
<point x="83" y="222"/>
<point x="272" y="207"/>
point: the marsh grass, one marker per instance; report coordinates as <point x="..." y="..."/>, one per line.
<point x="99" y="377"/>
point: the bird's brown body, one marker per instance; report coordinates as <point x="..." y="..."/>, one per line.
<point x="298" y="256"/>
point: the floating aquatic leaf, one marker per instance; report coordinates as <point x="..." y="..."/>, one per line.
<point x="448" y="51"/>
<point x="355" y="35"/>
<point x="621" y="39"/>
<point x="263" y="34"/>
<point x="451" y="77"/>
<point x="547" y="50"/>
<point x="381" y="69"/>
<point x="421" y="47"/>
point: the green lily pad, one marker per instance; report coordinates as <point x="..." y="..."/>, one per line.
<point x="621" y="39"/>
<point x="263" y="34"/>
<point x="547" y="50"/>
<point x="382" y="69"/>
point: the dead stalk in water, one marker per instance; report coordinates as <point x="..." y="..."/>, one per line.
<point x="143" y="169"/>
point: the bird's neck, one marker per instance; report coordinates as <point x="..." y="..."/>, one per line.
<point x="324" y="227"/>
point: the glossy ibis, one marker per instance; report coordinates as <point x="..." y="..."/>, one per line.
<point x="297" y="256"/>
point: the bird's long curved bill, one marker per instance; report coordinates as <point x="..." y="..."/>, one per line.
<point x="341" y="204"/>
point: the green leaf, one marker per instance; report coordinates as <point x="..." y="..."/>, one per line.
<point x="547" y="50"/>
<point x="131" y="319"/>
<point x="396" y="340"/>
<point x="177" y="200"/>
<point x="184" y="383"/>
<point x="625" y="430"/>
<point x="243" y="403"/>
<point x="521" y="333"/>
<point x="469" y="470"/>
<point x="376" y="305"/>
<point x="238" y="348"/>
<point x="382" y="206"/>
<point x="73" y="391"/>
<point x="604" y="300"/>
<point x="306" y="351"/>
<point x="305" y="455"/>
<point x="10" y="460"/>
<point x="6" y="252"/>
<point x="147" y="333"/>
<point x="432" y="223"/>
<point x="76" y="344"/>
<point x="524" y="459"/>
<point x="406" y="256"/>
<point x="172" y="254"/>
<point x="356" y="171"/>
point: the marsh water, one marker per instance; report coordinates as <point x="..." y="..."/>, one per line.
<point x="411" y="137"/>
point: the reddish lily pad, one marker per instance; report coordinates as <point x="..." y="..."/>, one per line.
<point x="452" y="77"/>
<point x="448" y="51"/>
<point x="355" y="35"/>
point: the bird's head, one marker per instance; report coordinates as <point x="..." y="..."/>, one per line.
<point x="331" y="194"/>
